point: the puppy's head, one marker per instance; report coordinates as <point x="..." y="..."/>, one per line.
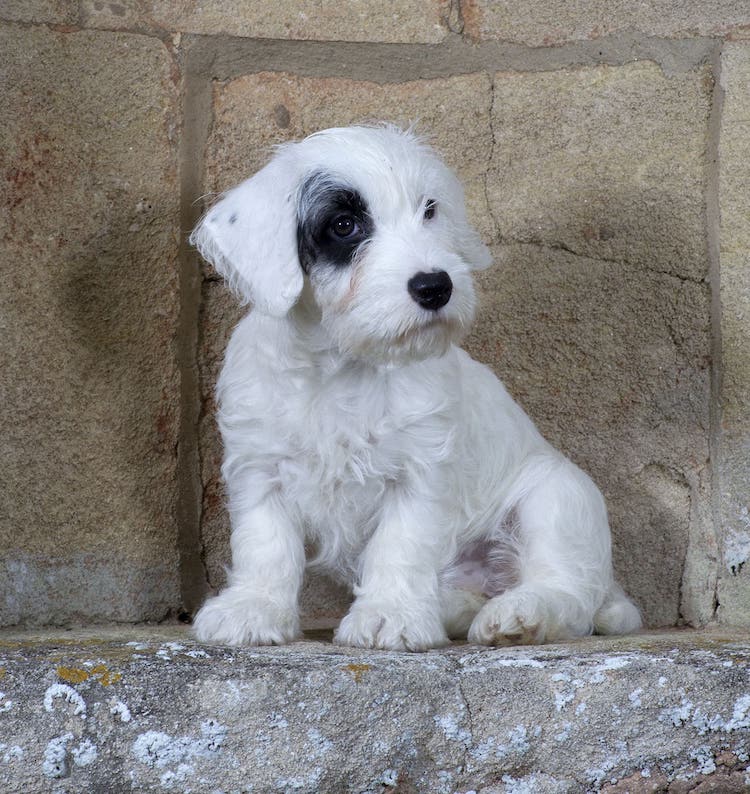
<point x="376" y="223"/>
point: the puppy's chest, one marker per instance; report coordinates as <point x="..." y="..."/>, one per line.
<point x="344" y="444"/>
<point x="346" y="438"/>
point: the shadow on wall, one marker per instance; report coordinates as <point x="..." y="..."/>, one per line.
<point x="116" y="305"/>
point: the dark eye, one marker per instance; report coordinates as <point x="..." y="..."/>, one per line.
<point x="343" y="226"/>
<point x="430" y="210"/>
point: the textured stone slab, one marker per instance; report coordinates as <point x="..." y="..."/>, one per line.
<point x="324" y="20"/>
<point x="544" y="23"/>
<point x="51" y="11"/>
<point x="252" y="114"/>
<point x="606" y="162"/>
<point x="597" y="313"/>
<point x="734" y="457"/>
<point x="88" y="313"/>
<point x="149" y="710"/>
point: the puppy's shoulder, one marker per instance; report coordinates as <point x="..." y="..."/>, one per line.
<point x="478" y="377"/>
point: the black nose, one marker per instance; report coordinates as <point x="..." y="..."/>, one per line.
<point x="431" y="290"/>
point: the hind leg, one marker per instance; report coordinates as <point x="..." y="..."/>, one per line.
<point x="564" y="563"/>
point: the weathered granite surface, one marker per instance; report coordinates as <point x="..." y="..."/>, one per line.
<point x="148" y="709"/>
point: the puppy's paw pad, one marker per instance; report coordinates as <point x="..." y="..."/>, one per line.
<point x="228" y="620"/>
<point x="369" y="627"/>
<point x="516" y="617"/>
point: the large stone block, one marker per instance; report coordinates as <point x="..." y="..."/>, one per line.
<point x="542" y="23"/>
<point x="597" y="312"/>
<point x="324" y="20"/>
<point x="734" y="241"/>
<point x="149" y="710"/>
<point x="61" y="12"/>
<point x="605" y="162"/>
<point x="253" y="113"/>
<point x="88" y="313"/>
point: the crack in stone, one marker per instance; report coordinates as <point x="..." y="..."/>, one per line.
<point x="490" y="158"/>
<point x="470" y="744"/>
<point x="558" y="246"/>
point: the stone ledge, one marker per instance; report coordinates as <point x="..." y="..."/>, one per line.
<point x="148" y="709"/>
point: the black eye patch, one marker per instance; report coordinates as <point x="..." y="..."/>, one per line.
<point x="332" y="222"/>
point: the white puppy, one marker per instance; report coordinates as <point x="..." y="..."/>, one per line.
<point x="352" y="422"/>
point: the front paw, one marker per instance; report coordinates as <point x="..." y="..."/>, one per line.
<point x="389" y="628"/>
<point x="236" y="618"/>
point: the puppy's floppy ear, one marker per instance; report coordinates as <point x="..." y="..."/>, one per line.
<point x="250" y="237"/>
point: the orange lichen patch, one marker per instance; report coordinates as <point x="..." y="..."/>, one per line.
<point x="2" y="673"/>
<point x="76" y="675"/>
<point x="358" y="670"/>
<point x="106" y="678"/>
<point x="73" y="675"/>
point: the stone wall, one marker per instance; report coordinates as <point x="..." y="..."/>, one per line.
<point x="604" y="150"/>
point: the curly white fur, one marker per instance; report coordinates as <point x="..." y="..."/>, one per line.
<point x="351" y="420"/>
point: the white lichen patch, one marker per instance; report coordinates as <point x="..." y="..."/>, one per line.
<point x="520" y="786"/>
<point x="518" y="742"/>
<point x="705" y="759"/>
<point x="635" y="697"/>
<point x="168" y="649"/>
<point x="688" y="713"/>
<point x="445" y="781"/>
<point x="178" y="777"/>
<point x="86" y="753"/>
<point x="737" y="542"/>
<point x="119" y="709"/>
<point x="705" y="724"/>
<point x="55" y="763"/>
<point x="69" y="695"/>
<point x="11" y="753"/>
<point x="740" y="715"/>
<point x="616" y="755"/>
<point x="5" y="703"/>
<point x="290" y="784"/>
<point x="450" y="726"/>
<point x="196" y="653"/>
<point x="155" y="748"/>
<point x="276" y="720"/>
<point x="320" y="745"/>
<point x="598" y="674"/>
<point x="517" y="663"/>
<point x="564" y="734"/>
<point x="566" y="689"/>
<point x="493" y="749"/>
